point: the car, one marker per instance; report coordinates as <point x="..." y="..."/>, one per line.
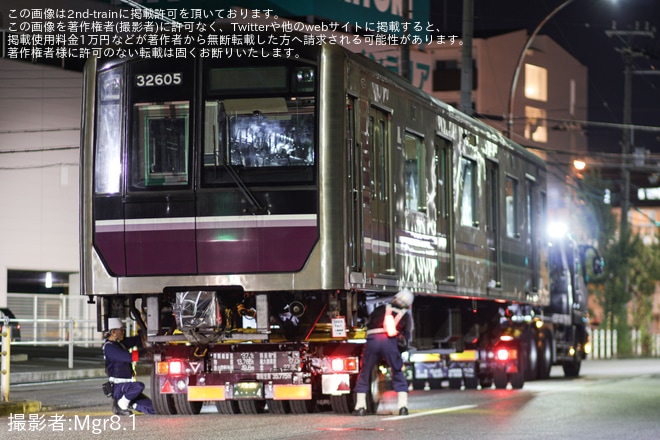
<point x="13" y="324"/>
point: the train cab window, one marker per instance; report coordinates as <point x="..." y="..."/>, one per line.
<point x="108" y="141"/>
<point x="160" y="148"/>
<point x="469" y="214"/>
<point x="415" y="177"/>
<point x="511" y="200"/>
<point x="259" y="138"/>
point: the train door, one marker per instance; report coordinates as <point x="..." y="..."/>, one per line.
<point x="493" y="225"/>
<point x="444" y="167"/>
<point x="354" y="150"/>
<point x="159" y="202"/>
<point x="378" y="139"/>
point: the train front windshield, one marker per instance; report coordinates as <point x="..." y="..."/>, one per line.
<point x="258" y="134"/>
<point x="261" y="124"/>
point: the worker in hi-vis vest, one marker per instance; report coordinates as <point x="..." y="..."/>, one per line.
<point x="388" y="332"/>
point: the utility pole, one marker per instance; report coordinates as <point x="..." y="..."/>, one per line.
<point x="466" y="60"/>
<point x="405" y="47"/>
<point x="628" y="52"/>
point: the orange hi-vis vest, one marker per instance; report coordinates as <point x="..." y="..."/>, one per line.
<point x="390" y="322"/>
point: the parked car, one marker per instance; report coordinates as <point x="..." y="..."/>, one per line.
<point x="13" y="324"/>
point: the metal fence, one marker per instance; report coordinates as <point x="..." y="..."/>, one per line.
<point x="603" y="344"/>
<point x="55" y="319"/>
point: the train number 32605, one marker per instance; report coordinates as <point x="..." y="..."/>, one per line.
<point x="158" y="79"/>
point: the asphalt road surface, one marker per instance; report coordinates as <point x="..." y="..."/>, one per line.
<point x="617" y="399"/>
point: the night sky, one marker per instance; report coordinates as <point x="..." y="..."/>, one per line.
<point x="580" y="29"/>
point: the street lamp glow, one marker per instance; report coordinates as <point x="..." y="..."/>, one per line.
<point x="579" y="165"/>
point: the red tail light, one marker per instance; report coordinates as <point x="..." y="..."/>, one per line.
<point x="176" y="367"/>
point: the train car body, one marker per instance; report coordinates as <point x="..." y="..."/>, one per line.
<point x="248" y="213"/>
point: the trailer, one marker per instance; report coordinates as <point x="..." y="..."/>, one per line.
<point x="249" y="212"/>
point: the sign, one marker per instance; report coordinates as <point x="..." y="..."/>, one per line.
<point x="338" y="327"/>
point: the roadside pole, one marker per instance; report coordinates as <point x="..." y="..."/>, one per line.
<point x="5" y="356"/>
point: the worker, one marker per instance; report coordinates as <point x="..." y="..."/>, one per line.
<point x="119" y="366"/>
<point x="389" y="329"/>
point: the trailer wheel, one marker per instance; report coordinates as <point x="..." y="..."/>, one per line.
<point x="532" y="355"/>
<point x="455" y="383"/>
<point x="419" y="384"/>
<point x="545" y="355"/>
<point x="302" y="406"/>
<point x="500" y="379"/>
<point x="518" y="379"/>
<point x="486" y="382"/>
<point x="163" y="403"/>
<point x="252" y="406"/>
<point x="572" y="368"/>
<point x="471" y="383"/>
<point x="435" y="384"/>
<point x="184" y="406"/>
<point x="343" y="404"/>
<point x="227" y="407"/>
<point x="279" y="406"/>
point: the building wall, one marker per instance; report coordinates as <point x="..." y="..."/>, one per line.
<point x="39" y="153"/>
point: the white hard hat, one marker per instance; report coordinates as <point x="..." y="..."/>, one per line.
<point x="405" y="298"/>
<point x="114" y="323"/>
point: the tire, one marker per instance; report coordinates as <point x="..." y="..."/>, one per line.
<point x="343" y="404"/>
<point x="227" y="407"/>
<point x="572" y="368"/>
<point x="545" y="355"/>
<point x="302" y="406"/>
<point x="163" y="403"/>
<point x="279" y="406"/>
<point x="183" y="406"/>
<point x="252" y="406"/>
<point x="435" y="384"/>
<point x="531" y="355"/>
<point x="455" y="383"/>
<point x="418" y="384"/>
<point x="471" y="383"/>
<point x="500" y="379"/>
<point x="376" y="389"/>
<point x="518" y="379"/>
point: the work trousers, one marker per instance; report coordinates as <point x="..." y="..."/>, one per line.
<point x="380" y="346"/>
<point x="133" y="392"/>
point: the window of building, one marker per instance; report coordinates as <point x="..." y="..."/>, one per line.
<point x="536" y="124"/>
<point x="536" y="82"/>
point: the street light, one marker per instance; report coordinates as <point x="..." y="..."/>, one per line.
<point x="521" y="57"/>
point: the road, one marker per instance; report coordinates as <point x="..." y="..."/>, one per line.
<point x="611" y="400"/>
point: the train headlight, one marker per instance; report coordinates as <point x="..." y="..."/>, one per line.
<point x="305" y="75"/>
<point x="557" y="230"/>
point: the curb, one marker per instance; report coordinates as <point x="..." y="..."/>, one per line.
<point x="19" y="407"/>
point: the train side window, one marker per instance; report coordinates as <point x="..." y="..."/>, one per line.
<point x="414" y="175"/>
<point x="511" y="200"/>
<point x="108" y="140"/>
<point x="160" y="147"/>
<point x="469" y="214"/>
